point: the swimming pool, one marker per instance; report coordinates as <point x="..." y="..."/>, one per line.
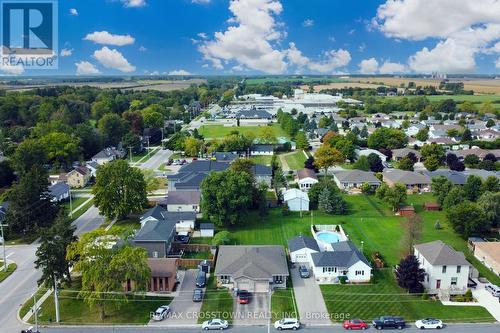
<point x="328" y="237"/>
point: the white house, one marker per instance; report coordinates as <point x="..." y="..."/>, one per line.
<point x="348" y="180"/>
<point x="367" y="151"/>
<point x="107" y="155"/>
<point x="261" y="149"/>
<point x="184" y="221"/>
<point x="345" y="260"/>
<point x="183" y="201"/>
<point x="306" y="178"/>
<point x="59" y="192"/>
<point x="445" y="269"/>
<point x="301" y="248"/>
<point x="296" y="200"/>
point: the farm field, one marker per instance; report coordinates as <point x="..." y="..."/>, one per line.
<point x="220" y="131"/>
<point x="291" y="79"/>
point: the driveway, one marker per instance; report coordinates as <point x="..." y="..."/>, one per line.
<point x="184" y="311"/>
<point x="310" y="303"/>
<point x="487" y="300"/>
<point x="254" y="313"/>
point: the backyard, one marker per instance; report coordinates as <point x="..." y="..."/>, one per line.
<point x="219" y="131"/>
<point x="295" y="160"/>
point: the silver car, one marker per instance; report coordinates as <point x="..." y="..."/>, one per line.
<point x="215" y="324"/>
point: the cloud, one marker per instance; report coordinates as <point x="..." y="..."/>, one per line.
<point x="362" y="47"/>
<point x="10" y="69"/>
<point x="332" y="60"/>
<point x="66" y="52"/>
<point x="296" y="57"/>
<point x="134" y="3"/>
<point x="105" y="38"/>
<point x="368" y="66"/>
<point x="392" y="68"/>
<point x="331" y="39"/>
<point x="201" y="1"/>
<point x="111" y="58"/>
<point x="73" y="12"/>
<point x="86" y="68"/>
<point x="308" y="23"/>
<point x="202" y="35"/>
<point x="179" y="72"/>
<point x="142" y="49"/>
<point x="497" y="63"/>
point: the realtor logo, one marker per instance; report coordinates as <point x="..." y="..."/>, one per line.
<point x="29" y="33"/>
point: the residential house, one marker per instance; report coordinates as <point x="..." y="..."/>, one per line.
<point x="446" y="270"/>
<point x="367" y="151"/>
<point x="489" y="254"/>
<point x="398" y="154"/>
<point x="155" y="237"/>
<point x="79" y="177"/>
<point x="455" y="177"/>
<point x="344" y="260"/>
<point x="349" y="180"/>
<point x="263" y="174"/>
<point x="59" y="192"/>
<point x="228" y="157"/>
<point x="257" y="269"/>
<point x="60" y="178"/>
<point x="107" y="155"/>
<point x="254" y="114"/>
<point x="484" y="174"/>
<point x="413" y="129"/>
<point x="183" y="221"/>
<point x="301" y="247"/>
<point x="183" y="201"/>
<point x="306" y="178"/>
<point x="92" y="166"/>
<point x="163" y="274"/>
<point x="439" y="131"/>
<point x="261" y="149"/>
<point x="190" y="176"/>
<point x="414" y="181"/>
<point x="296" y="200"/>
<point x="481" y="153"/>
<point x="488" y="135"/>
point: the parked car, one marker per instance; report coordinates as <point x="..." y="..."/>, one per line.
<point x="243" y="297"/>
<point x="389" y="322"/>
<point x="170" y="161"/>
<point x="287" y="324"/>
<point x="201" y="279"/>
<point x="161" y="313"/>
<point x="197" y="295"/>
<point x="304" y="272"/>
<point x="355" y="324"/>
<point x="493" y="289"/>
<point x="429" y="323"/>
<point x="215" y="324"/>
<point x="182" y="237"/>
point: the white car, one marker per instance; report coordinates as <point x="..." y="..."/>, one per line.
<point x="287" y="324"/>
<point x="161" y="313"/>
<point x="429" y="323"/>
<point x="215" y="324"/>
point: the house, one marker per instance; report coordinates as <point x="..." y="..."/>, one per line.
<point x="489" y="254"/>
<point x="183" y="221"/>
<point x="306" y="178"/>
<point x="254" y="114"/>
<point x="353" y="179"/>
<point x="413" y="129"/>
<point x="263" y="174"/>
<point x="455" y="177"/>
<point x="413" y="181"/>
<point x="345" y="260"/>
<point x="190" y="176"/>
<point x="207" y="229"/>
<point x="261" y="149"/>
<point x="301" y="247"/>
<point x="59" y="192"/>
<point x="107" y="155"/>
<point x="183" y="201"/>
<point x="79" y="177"/>
<point x="398" y="154"/>
<point x="163" y="274"/>
<point x="257" y="269"/>
<point x="155" y="237"/>
<point x="366" y="152"/>
<point x="296" y="200"/>
<point x="228" y="157"/>
<point x="60" y="178"/>
<point x="488" y="135"/>
<point x="446" y="270"/>
<point x="92" y="166"/>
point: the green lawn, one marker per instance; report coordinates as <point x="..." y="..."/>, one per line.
<point x="200" y="240"/>
<point x="138" y="157"/>
<point x="197" y="255"/>
<point x="217" y="303"/>
<point x="10" y="269"/>
<point x="76" y="201"/>
<point x="296" y="160"/>
<point x="475" y="99"/>
<point x="126" y="227"/>
<point x="385" y="297"/>
<point x="83" y="209"/>
<point x="219" y="131"/>
<point x="283" y="303"/>
<point x="262" y="159"/>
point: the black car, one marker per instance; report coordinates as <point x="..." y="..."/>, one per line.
<point x="201" y="279"/>
<point x="389" y="322"/>
<point x="198" y="295"/>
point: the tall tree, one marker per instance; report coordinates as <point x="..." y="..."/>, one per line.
<point x="326" y="157"/>
<point x="468" y="219"/>
<point x="362" y="164"/>
<point x="489" y="202"/>
<point x="440" y="188"/>
<point x="301" y="141"/>
<point x="409" y="274"/>
<point x="375" y="163"/>
<point x="29" y="153"/>
<point x="112" y="128"/>
<point x="413" y="228"/>
<point x="7" y="176"/>
<point x="473" y="187"/>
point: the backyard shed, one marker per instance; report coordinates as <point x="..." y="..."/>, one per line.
<point x="207" y="229"/>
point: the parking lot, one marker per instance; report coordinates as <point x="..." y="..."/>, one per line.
<point x="254" y="313"/>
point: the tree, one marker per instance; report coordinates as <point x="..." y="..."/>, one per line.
<point x="153" y="182"/>
<point x="375" y="163"/>
<point x="112" y="128"/>
<point x="405" y="164"/>
<point x="435" y="153"/>
<point x="486" y="107"/>
<point x="29" y="153"/>
<point x="7" y="176"/>
<point x="132" y="141"/>
<point x="135" y="121"/>
<point x="192" y="146"/>
<point x="454" y="163"/>
<point x="431" y="163"/>
<point x="466" y="135"/>
<point x="422" y="135"/>
<point x="51" y="254"/>
<point x="491" y="184"/>
<point x="388" y="138"/>
<point x="301" y="141"/>
<point x="467" y="219"/>
<point x="267" y="135"/>
<point x="362" y="164"/>
<point x="490" y="123"/>
<point x="336" y="201"/>
<point x="221" y="238"/>
<point x="119" y="189"/>
<point x="324" y="203"/>
<point x="226" y="196"/>
<point x="441" y="187"/>
<point x="489" y="202"/>
<point x="395" y="196"/>
<point x="309" y="164"/>
<point x="473" y="187"/>
<point x="455" y="196"/>
<point x="413" y="228"/>
<point x="471" y="160"/>
<point x="242" y="165"/>
<point x="326" y="157"/>
<point x="364" y="132"/>
<point x="409" y="274"/>
<point x="152" y="119"/>
<point x="105" y="268"/>
<point x="62" y="149"/>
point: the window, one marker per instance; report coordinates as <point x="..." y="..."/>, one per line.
<point x="459" y="269"/>
<point x="444" y="269"/>
<point x="454" y="281"/>
<point x="155" y="254"/>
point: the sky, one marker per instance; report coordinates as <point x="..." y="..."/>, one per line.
<point x="248" y="37"/>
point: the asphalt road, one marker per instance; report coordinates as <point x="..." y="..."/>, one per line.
<point x="23" y="282"/>
<point x="161" y="156"/>
<point x="476" y="328"/>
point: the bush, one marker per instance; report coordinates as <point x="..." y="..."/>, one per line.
<point x="221" y="238"/>
<point x="343" y="279"/>
<point x="367" y="189"/>
<point x="285" y="211"/>
<point x="468" y="296"/>
<point x="425" y="296"/>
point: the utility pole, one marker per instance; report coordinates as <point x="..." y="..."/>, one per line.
<point x="130" y="154"/>
<point x="269" y="312"/>
<point x="3" y="244"/>
<point x="56" y="300"/>
<point x="35" y="309"/>
<point x="70" y="204"/>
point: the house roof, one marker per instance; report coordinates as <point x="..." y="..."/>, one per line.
<point x="262" y="170"/>
<point x="183" y="198"/>
<point x="254" y="262"/>
<point x="404" y="152"/>
<point x="155" y="231"/>
<point x="162" y="267"/>
<point x="306" y="173"/>
<point x="203" y="166"/>
<point x="58" y="189"/>
<point x="405" y="177"/>
<point x="356" y="176"/>
<point x="481" y="173"/>
<point x="81" y="170"/>
<point x="456" y="177"/>
<point x="294" y="193"/>
<point x="302" y="242"/>
<point x="492" y="249"/>
<point x="107" y="153"/>
<point x="225" y="156"/>
<point x="439" y="253"/>
<point x="207" y="226"/>
<point x="255" y="114"/>
<point x="155" y="212"/>
<point x="161" y="214"/>
<point x="344" y="254"/>
<point x="262" y="147"/>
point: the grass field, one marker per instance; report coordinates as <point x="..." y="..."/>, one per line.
<point x="220" y="131"/>
<point x="262" y="159"/>
<point x="291" y="79"/>
<point x="475" y="99"/>
<point x="217" y="303"/>
<point x="296" y="160"/>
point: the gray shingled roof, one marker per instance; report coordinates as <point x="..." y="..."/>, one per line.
<point x="183" y="198"/>
<point x="155" y="231"/>
<point x="155" y="212"/>
<point x="58" y="189"/>
<point x="306" y="173"/>
<point x="356" y="176"/>
<point x="161" y="214"/>
<point x="439" y="253"/>
<point x="254" y="262"/>
<point x="255" y="114"/>
<point x="406" y="177"/>
<point x="207" y="226"/>
<point x="456" y="177"/>
<point x="302" y="242"/>
<point x="404" y="152"/>
<point x="344" y="254"/>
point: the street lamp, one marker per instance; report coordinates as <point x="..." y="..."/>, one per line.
<point x="3" y="242"/>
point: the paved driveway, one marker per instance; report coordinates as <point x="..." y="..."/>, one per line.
<point x="184" y="311"/>
<point x="254" y="313"/>
<point x="486" y="299"/>
<point x="310" y="303"/>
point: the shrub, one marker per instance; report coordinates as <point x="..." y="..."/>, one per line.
<point x="425" y="296"/>
<point x="343" y="279"/>
<point x="285" y="211"/>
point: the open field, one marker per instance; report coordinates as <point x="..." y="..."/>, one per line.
<point x="291" y="79"/>
<point x="220" y="131"/>
<point x="342" y="85"/>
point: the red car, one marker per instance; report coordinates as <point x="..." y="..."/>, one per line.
<point x="243" y="297"/>
<point x="355" y="324"/>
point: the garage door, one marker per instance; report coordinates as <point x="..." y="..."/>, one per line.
<point x="244" y="285"/>
<point x="261" y="287"/>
